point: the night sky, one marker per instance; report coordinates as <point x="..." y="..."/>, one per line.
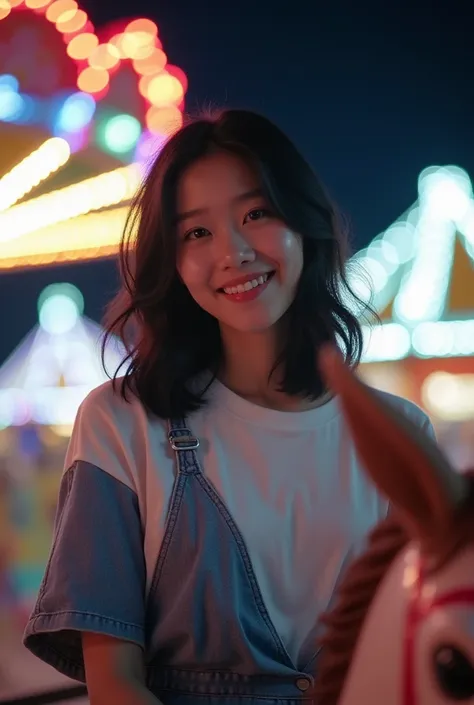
<point x="371" y="95"/>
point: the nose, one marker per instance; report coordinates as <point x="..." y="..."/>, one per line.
<point x="233" y="250"/>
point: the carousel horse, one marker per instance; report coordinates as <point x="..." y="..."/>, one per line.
<point x="401" y="631"/>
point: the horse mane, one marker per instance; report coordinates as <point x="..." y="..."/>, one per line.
<point x="353" y="598"/>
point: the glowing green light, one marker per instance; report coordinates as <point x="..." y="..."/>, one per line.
<point x="59" y="308"/>
<point x="121" y="133"/>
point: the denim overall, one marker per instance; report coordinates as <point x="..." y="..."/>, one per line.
<point x="214" y="641"/>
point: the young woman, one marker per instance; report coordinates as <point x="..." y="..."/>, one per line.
<point x="212" y="497"/>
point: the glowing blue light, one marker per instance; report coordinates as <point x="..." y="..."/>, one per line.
<point x="30" y="110"/>
<point x="9" y="81"/>
<point x="76" y="112"/>
<point x="11" y="104"/>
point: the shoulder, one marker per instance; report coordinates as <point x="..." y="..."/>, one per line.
<point x="409" y="409"/>
<point x="106" y="398"/>
<point x="105" y="409"/>
<point x="114" y="433"/>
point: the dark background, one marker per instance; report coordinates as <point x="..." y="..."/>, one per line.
<point x="372" y="93"/>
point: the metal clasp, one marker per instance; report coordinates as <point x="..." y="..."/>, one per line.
<point x="187" y="442"/>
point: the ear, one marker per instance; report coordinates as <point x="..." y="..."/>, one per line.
<point x="403" y="462"/>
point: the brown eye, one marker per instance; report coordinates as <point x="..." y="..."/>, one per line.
<point x="257" y="214"/>
<point x="196" y="234"/>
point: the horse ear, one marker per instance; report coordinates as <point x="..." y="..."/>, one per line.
<point x="403" y="462"/>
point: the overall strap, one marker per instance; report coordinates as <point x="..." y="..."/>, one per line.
<point x="184" y="444"/>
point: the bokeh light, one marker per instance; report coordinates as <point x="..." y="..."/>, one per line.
<point x="179" y="74"/>
<point x="5" y="9"/>
<point x="116" y="41"/>
<point x="59" y="308"/>
<point x="28" y="112"/>
<point x="92" y="80"/>
<point x="152" y="64"/>
<point x="37" y="4"/>
<point x="82" y="46"/>
<point x="143" y="25"/>
<point x="136" y="45"/>
<point x="58" y="8"/>
<point x="9" y="81"/>
<point x="11" y="104"/>
<point x="71" y="21"/>
<point x="164" y="89"/>
<point x="77" y="112"/>
<point x="120" y="134"/>
<point x="104" y="56"/>
<point x="164" y="121"/>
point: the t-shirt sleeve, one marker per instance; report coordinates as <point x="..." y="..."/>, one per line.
<point x="95" y="576"/>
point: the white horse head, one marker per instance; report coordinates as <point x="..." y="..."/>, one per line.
<point x="402" y="628"/>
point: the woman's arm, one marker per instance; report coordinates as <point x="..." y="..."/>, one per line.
<point x="115" y="671"/>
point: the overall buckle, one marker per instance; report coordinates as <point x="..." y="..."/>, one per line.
<point x="187" y="442"/>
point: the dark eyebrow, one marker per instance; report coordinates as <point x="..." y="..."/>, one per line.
<point x="248" y="195"/>
<point x="199" y="211"/>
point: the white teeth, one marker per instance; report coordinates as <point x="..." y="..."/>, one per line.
<point x="247" y="286"/>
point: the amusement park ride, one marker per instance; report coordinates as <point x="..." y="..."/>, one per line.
<point x="80" y="112"/>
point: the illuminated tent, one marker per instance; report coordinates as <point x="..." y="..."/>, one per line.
<point x="422" y="272"/>
<point x="56" y="365"/>
<point x="79" y="114"/>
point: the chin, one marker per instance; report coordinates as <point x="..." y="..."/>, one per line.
<point x="260" y="324"/>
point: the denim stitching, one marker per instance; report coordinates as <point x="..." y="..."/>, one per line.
<point x="95" y="615"/>
<point x="172" y="518"/>
<point x="214" y="497"/>
<point x="226" y="684"/>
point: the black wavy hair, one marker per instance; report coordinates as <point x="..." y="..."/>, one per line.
<point x="169" y="339"/>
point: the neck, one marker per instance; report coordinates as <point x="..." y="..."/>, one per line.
<point x="248" y="363"/>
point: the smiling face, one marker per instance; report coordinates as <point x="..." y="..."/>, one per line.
<point x="239" y="262"/>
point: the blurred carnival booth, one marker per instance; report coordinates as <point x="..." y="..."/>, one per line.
<point x="81" y="111"/>
<point x="421" y="271"/>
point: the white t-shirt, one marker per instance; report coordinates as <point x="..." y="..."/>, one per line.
<point x="291" y="481"/>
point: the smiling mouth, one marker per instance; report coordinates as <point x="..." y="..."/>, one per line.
<point x="248" y="286"/>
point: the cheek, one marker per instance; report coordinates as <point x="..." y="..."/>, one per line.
<point x="289" y="253"/>
<point x="192" y="268"/>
